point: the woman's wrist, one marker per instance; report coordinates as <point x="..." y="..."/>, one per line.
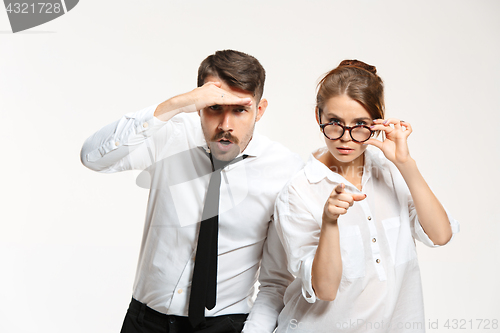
<point x="327" y="221"/>
<point x="407" y="165"/>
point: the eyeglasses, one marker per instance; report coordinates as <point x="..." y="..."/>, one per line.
<point x="335" y="130"/>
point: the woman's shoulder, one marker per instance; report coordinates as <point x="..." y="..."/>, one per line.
<point x="376" y="160"/>
<point x="305" y="179"/>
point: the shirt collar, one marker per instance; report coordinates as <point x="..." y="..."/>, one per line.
<point x="254" y="147"/>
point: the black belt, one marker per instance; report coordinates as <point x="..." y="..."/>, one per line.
<point x="145" y="313"/>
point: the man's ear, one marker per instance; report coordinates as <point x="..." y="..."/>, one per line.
<point x="261" y="109"/>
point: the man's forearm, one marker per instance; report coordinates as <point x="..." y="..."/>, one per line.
<point x="107" y="149"/>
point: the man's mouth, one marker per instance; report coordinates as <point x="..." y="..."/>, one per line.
<point x="225" y="142"/>
<point x="224" y="145"/>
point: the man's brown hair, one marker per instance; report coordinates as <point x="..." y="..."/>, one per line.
<point x="236" y="69"/>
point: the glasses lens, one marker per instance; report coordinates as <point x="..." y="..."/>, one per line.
<point x="361" y="133"/>
<point x="333" y="131"/>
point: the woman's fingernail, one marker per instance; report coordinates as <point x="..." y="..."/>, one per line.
<point x="385" y="122"/>
<point x="372" y="126"/>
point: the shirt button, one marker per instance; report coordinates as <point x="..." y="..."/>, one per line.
<point x="377" y="261"/>
<point x="374" y="240"/>
<point x="145" y="125"/>
<point x="117" y="143"/>
<point x="171" y="320"/>
<point x="369" y="218"/>
<point x="179" y="291"/>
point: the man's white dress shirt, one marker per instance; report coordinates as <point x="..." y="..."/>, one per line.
<point x="177" y="171"/>
<point x="380" y="289"/>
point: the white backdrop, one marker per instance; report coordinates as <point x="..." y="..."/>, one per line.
<point x="69" y="237"/>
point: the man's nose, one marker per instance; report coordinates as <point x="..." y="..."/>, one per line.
<point x="226" y="121"/>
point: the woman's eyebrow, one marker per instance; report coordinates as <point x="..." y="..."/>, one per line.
<point x="363" y="118"/>
<point x="333" y="115"/>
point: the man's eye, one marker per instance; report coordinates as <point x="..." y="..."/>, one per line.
<point x="215" y="107"/>
<point x="240" y="110"/>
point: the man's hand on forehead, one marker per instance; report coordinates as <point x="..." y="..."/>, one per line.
<point x="211" y="93"/>
<point x="207" y="95"/>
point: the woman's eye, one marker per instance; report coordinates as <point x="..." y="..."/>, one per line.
<point x="335" y="121"/>
<point x="361" y="123"/>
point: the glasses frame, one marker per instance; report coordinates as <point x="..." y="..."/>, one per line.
<point x="344" y="128"/>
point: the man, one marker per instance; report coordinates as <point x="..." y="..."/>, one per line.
<point x="185" y="160"/>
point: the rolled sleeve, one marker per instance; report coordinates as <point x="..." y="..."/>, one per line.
<point x="306" y="276"/>
<point x="418" y="231"/>
<point x="299" y="233"/>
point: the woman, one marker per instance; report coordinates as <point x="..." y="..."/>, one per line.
<point x="348" y="220"/>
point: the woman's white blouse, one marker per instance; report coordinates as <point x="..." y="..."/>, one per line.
<point x="380" y="289"/>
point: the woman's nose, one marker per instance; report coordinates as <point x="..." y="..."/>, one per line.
<point x="346" y="136"/>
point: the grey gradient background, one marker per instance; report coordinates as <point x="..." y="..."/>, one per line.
<point x="70" y="237"/>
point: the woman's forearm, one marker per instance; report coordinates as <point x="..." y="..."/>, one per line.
<point x="431" y="213"/>
<point x="327" y="264"/>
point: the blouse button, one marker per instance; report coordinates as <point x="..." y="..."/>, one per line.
<point x="369" y="218"/>
<point x="117" y="143"/>
<point x="377" y="261"/>
<point x="145" y="125"/>
<point x="179" y="291"/>
<point x="374" y="240"/>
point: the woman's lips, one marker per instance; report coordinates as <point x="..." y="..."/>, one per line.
<point x="345" y="150"/>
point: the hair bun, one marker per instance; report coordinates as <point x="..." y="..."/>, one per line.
<point x="359" y="64"/>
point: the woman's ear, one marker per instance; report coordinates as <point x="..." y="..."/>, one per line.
<point x="316" y="111"/>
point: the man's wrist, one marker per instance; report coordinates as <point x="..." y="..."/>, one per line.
<point x="172" y="107"/>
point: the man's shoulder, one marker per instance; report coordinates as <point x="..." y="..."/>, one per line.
<point x="274" y="152"/>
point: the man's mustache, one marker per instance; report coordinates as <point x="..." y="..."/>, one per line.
<point x="225" y="135"/>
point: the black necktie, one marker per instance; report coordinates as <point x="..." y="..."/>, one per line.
<point x="204" y="284"/>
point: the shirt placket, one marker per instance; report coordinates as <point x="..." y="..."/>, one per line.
<point x="374" y="242"/>
<point x="180" y="294"/>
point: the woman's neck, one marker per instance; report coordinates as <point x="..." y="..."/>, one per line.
<point x="351" y="171"/>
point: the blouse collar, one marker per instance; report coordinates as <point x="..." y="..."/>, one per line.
<point x="375" y="164"/>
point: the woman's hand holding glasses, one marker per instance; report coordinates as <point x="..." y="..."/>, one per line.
<point x="395" y="146"/>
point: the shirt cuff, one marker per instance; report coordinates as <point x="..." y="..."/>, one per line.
<point x="306" y="276"/>
<point x="145" y="124"/>
<point x="424" y="238"/>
